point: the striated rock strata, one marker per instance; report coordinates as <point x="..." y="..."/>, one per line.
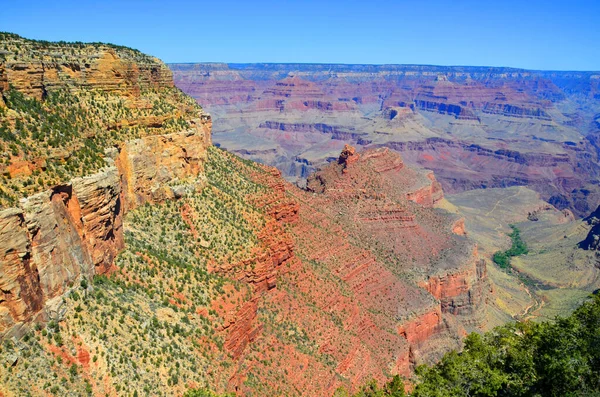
<point x="71" y="231"/>
<point x="109" y="68"/>
<point x="476" y="127"/>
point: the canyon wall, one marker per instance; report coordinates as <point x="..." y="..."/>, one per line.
<point x="476" y="127"/>
<point x="108" y="68"/>
<point x="73" y="231"/>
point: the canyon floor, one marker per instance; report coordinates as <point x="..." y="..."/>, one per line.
<point x="555" y="276"/>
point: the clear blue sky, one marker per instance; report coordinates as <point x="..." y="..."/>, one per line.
<point x="550" y="34"/>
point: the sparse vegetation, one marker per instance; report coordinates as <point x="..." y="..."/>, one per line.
<point x="154" y="325"/>
<point x="48" y="141"/>
<point x="205" y="393"/>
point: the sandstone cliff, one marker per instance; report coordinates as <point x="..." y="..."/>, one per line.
<point x="37" y="68"/>
<point x="64" y="103"/>
<point x="73" y="230"/>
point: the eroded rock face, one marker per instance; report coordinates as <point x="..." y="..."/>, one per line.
<point x="19" y="277"/>
<point x="152" y="167"/>
<point x="333" y="266"/>
<point x="243" y="329"/>
<point x="592" y="240"/>
<point x="101" y="214"/>
<point x="57" y="237"/>
<point x="95" y="67"/>
<point x="74" y="231"/>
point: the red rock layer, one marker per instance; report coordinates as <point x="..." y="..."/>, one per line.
<point x="421" y="328"/>
<point x="243" y="329"/>
<point x="338" y="292"/>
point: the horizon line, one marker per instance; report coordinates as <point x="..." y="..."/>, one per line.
<point x="384" y="65"/>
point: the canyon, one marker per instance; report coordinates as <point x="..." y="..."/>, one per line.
<point x="138" y="257"/>
<point x="476" y="127"/>
<point x="212" y="269"/>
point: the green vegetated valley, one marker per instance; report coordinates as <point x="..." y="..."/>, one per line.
<point x="518" y="247"/>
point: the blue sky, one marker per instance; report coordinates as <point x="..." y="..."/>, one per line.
<point x="559" y="35"/>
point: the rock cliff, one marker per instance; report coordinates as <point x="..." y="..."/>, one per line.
<point x="36" y="68"/>
<point x="74" y="230"/>
<point x="63" y="104"/>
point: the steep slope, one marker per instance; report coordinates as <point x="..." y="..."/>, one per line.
<point x="69" y="115"/>
<point x="256" y="286"/>
<point x="168" y="263"/>
<point x="476" y="127"/>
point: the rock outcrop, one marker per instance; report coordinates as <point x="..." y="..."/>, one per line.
<point x="374" y="196"/>
<point x="156" y="168"/>
<point x="73" y="230"/>
<point x="61" y="235"/>
<point x="105" y="67"/>
<point x="592" y="240"/>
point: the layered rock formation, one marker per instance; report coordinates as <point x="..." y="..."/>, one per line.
<point x="38" y="68"/>
<point x="63" y="104"/>
<point x="337" y="287"/>
<point x="73" y="230"/>
<point x="372" y="196"/>
<point x="475" y="127"/>
<point x="212" y="269"/>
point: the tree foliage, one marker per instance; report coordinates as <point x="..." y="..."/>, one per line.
<point x="523" y="359"/>
<point x="393" y="388"/>
<point x="518" y="247"/>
